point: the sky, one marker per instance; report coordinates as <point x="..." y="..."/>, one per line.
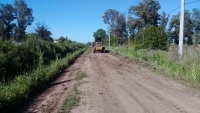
<point x="78" y="19"/>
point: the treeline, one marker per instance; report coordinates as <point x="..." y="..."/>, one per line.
<point x="149" y="29"/>
<point x="20" y="51"/>
<point x="15" y="59"/>
<point x="14" y="20"/>
<point x="24" y="87"/>
<point x="29" y="61"/>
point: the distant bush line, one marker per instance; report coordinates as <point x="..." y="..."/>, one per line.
<point x="16" y="59"/>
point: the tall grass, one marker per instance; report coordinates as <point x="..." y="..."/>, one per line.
<point x="14" y="93"/>
<point x="186" y="67"/>
<point x="16" y="59"/>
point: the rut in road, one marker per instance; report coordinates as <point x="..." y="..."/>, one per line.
<point x="119" y="85"/>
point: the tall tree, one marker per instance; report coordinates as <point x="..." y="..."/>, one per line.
<point x="142" y="15"/>
<point x="164" y="18"/>
<point x="24" y="17"/>
<point x="109" y="17"/>
<point x="43" y="32"/>
<point x="188" y="28"/>
<point x="196" y="20"/>
<point x="7" y="15"/>
<point x="100" y="33"/>
<point x="120" y="28"/>
<point x="120" y="25"/>
<point x="147" y="12"/>
<point x="174" y="28"/>
<point x="134" y="24"/>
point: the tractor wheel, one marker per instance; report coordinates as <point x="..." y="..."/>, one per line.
<point x="103" y="51"/>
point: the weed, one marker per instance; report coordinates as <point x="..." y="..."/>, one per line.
<point x="81" y="75"/>
<point x="22" y="87"/>
<point x="69" y="102"/>
<point x="186" y="67"/>
<point x="73" y="99"/>
<point x="75" y="88"/>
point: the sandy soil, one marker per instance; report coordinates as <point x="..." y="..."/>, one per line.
<point x="120" y="85"/>
<point x="116" y="84"/>
<point x="52" y="98"/>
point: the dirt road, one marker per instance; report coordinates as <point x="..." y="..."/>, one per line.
<point x="119" y="85"/>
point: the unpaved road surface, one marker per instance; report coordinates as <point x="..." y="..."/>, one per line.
<point x="120" y="85"/>
<point x="116" y="84"/>
<point x="51" y="100"/>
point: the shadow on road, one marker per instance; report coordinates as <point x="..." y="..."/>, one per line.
<point x="58" y="83"/>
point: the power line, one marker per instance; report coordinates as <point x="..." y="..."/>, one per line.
<point x="192" y="2"/>
<point x="134" y="1"/>
<point x="175" y="9"/>
<point x="185" y="4"/>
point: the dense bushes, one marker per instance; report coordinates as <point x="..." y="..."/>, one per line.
<point x="14" y="93"/>
<point x="16" y="59"/>
<point x="152" y="37"/>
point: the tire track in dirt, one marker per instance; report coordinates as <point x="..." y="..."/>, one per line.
<point x="119" y="85"/>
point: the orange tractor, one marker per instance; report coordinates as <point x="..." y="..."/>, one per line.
<point x="98" y="45"/>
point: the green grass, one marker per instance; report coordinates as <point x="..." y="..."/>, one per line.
<point x="69" y="103"/>
<point x="14" y="93"/>
<point x="169" y="62"/>
<point x="73" y="99"/>
<point x="81" y="75"/>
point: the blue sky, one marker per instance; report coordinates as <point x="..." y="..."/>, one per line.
<point x="78" y="19"/>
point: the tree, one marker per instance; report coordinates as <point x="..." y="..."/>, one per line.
<point x="196" y="20"/>
<point x="134" y="24"/>
<point x="153" y="37"/>
<point x="142" y="15"/>
<point x="109" y="17"/>
<point x="147" y="12"/>
<point x="174" y="29"/>
<point x="100" y="33"/>
<point x="89" y="43"/>
<point x="24" y="17"/>
<point x="62" y="39"/>
<point x="7" y="15"/>
<point x="43" y="32"/>
<point x="188" y="28"/>
<point x="113" y="40"/>
<point x="164" y="18"/>
<point x="120" y="26"/>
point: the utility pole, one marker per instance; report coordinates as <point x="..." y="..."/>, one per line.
<point x="181" y="31"/>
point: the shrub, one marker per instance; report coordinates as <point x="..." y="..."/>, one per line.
<point x="153" y="37"/>
<point x="16" y="59"/>
<point x="13" y="93"/>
